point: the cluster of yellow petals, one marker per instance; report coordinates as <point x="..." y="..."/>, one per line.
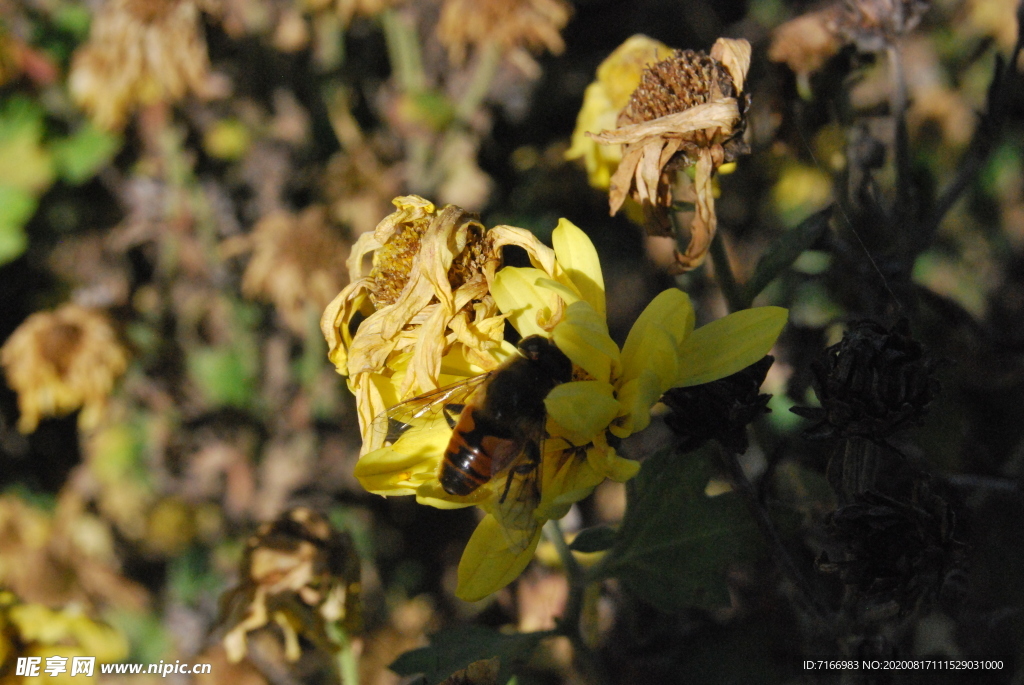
<point x="562" y="297"/>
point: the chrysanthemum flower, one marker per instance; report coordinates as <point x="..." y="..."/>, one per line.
<point x="562" y="298"/>
<point x="688" y="111"/>
<point x="425" y="301"/>
<point x="62" y="360"/>
<point x="617" y="77"/>
<point x="139" y="52"/>
<point x="515" y="27"/>
<point x="295" y="264"/>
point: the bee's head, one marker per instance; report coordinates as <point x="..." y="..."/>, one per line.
<point x="552" y="360"/>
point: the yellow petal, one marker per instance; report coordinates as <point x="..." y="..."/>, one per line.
<point x="528" y="306"/>
<point x="488" y="564"/>
<point x="578" y="257"/>
<point x="605" y="461"/>
<point x="583" y="337"/>
<point x="668" y="318"/>
<point x="636" y="397"/>
<point x="729" y="344"/>
<point x="567" y="478"/>
<point x="582" y="409"/>
<point x="401" y="468"/>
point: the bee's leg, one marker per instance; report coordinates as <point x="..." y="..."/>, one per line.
<point x="451" y="413"/>
<point x="508" y="486"/>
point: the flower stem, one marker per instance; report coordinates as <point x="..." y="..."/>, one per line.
<point x="480" y="83"/>
<point x="805" y="594"/>
<point x="586" y="659"/>
<point x="348" y="666"/>
<point x="723" y="272"/>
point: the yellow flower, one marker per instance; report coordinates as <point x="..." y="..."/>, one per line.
<point x="562" y="298"/>
<point x="689" y="110"/>
<point x="617" y="77"/>
<point x="62" y="360"/>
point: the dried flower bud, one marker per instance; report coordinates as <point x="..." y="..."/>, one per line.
<point x="894" y="551"/>
<point x="299" y="573"/>
<point x="873" y="383"/>
<point x="720" y="410"/>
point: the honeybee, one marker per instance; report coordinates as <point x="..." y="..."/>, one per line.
<point x="498" y="428"/>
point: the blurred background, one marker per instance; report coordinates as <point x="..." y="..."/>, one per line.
<point x="181" y="182"/>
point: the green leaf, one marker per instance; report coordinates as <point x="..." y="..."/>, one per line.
<point x="676" y="543"/>
<point x="16" y="208"/>
<point x="225" y="376"/>
<point x="727" y="345"/>
<point x="24" y="163"/>
<point x="453" y="650"/>
<point x="596" y="539"/>
<point x="85" y="152"/>
<point x="784" y="252"/>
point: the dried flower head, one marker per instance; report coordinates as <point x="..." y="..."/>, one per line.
<point x="720" y="410"/>
<point x="806" y="42"/>
<point x="139" y="52"/>
<point x="512" y="26"/>
<point x="424" y="300"/>
<point x="299" y="573"/>
<point x="688" y="111"/>
<point x="873" y="383"/>
<point x="296" y="263"/>
<point x="617" y="77"/>
<point x="62" y="360"/>
<point x="347" y="10"/>
<point x="894" y="551"/>
<point x="873" y="25"/>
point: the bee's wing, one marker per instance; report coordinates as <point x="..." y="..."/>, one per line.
<point x="514" y="511"/>
<point x="447" y="402"/>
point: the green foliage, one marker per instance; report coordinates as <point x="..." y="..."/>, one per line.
<point x="675" y="542"/>
<point x="16" y="208"/>
<point x="785" y="251"/>
<point x="79" y="156"/>
<point x="225" y="376"/>
<point x="454" y="650"/>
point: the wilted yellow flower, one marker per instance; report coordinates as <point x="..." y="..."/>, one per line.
<point x="139" y="52"/>
<point x="513" y="26"/>
<point x="688" y="110"/>
<point x="617" y="77"/>
<point x="296" y="264"/>
<point x="609" y="397"/>
<point x="62" y="360"/>
<point x="28" y="629"/>
<point x="61" y="557"/>
<point x="299" y="573"/>
<point x="425" y="299"/>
